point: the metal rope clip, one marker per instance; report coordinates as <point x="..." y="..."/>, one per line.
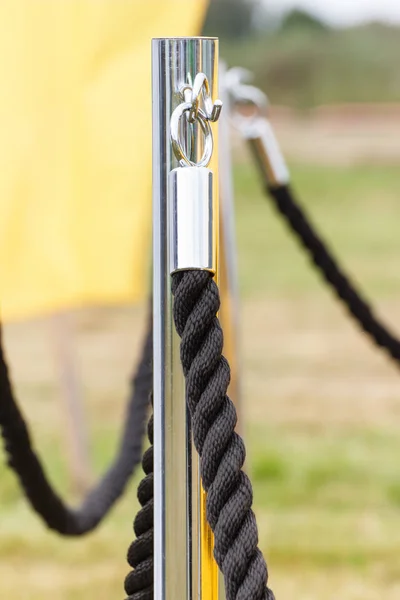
<point x="190" y="203"/>
<point x="201" y="87"/>
<point x="249" y="106"/>
<point x="211" y="111"/>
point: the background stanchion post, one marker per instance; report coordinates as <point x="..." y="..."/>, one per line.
<point x="72" y="402"/>
<point x="184" y="566"/>
<point x="228" y="280"/>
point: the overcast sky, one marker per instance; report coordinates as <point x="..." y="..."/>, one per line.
<point x="344" y="12"/>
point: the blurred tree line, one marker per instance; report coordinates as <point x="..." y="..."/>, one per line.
<point x="231" y="19"/>
<point x="300" y="61"/>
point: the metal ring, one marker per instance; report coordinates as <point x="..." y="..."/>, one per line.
<point x="176" y="142"/>
<point x="244" y="95"/>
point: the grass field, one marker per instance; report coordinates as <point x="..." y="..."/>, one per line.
<point x="322" y="409"/>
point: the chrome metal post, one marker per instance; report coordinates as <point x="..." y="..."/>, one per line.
<point x="228" y="279"/>
<point x="183" y="562"/>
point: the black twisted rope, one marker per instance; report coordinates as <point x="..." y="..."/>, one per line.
<point x="221" y="449"/>
<point x="139" y="582"/>
<point x="22" y="458"/>
<point x="332" y="272"/>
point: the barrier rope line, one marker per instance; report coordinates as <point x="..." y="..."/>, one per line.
<point x="332" y="272"/>
<point x="21" y="456"/>
<point x="257" y="130"/>
<point x="139" y="582"/>
<point x="221" y="449"/>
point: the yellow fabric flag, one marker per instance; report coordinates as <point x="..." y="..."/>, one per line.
<point x="75" y="148"/>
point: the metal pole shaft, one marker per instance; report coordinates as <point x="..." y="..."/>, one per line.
<point x="183" y="564"/>
<point x="228" y="282"/>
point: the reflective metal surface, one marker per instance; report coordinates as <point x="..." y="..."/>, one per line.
<point x="191" y="219"/>
<point x="228" y="271"/>
<point x="179" y="150"/>
<point x="266" y="150"/>
<point x="236" y="84"/>
<point x="183" y="563"/>
<point x="254" y="125"/>
<point x="201" y="89"/>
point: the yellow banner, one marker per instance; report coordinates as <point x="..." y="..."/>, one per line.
<point x="75" y="148"/>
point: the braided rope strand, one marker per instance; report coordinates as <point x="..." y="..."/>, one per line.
<point x="334" y="275"/>
<point x="221" y="449"/>
<point x="23" y="459"/>
<point x="139" y="582"/>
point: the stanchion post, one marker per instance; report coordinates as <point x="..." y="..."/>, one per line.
<point x="74" y="418"/>
<point x="184" y="567"/>
<point x="228" y="280"/>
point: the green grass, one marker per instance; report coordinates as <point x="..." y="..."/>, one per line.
<point x="322" y="408"/>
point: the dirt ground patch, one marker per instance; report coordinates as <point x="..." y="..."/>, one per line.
<point x="338" y="135"/>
